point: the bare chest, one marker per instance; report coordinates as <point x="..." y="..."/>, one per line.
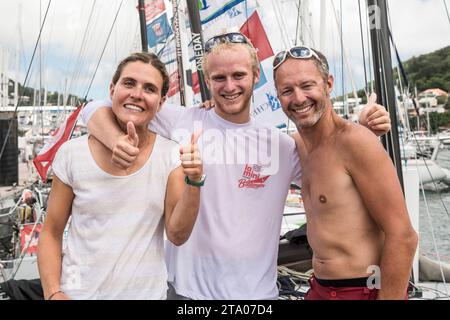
<point x="325" y="180"/>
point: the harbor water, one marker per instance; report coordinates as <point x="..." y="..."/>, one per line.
<point x="436" y="218"/>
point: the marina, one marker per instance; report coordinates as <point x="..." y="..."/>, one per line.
<point x="29" y="124"/>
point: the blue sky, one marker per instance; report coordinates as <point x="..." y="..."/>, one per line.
<point x="419" y="26"/>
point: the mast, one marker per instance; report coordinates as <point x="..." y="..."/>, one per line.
<point x="323" y="26"/>
<point x="144" y="41"/>
<point x="176" y="32"/>
<point x="384" y="80"/>
<point x="197" y="40"/>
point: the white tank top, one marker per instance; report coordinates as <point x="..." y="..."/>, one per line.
<point x="114" y="247"/>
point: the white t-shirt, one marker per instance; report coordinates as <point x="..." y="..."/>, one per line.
<point x="115" y="246"/>
<point x="233" y="249"/>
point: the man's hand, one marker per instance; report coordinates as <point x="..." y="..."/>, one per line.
<point x="375" y="117"/>
<point x="191" y="160"/>
<point x="126" y="149"/>
<point x="208" y="104"/>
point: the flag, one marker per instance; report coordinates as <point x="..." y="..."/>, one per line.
<point x="211" y="9"/>
<point x="30" y="239"/>
<point x="153" y="8"/>
<point x="45" y="157"/>
<point x="254" y="30"/>
<point x="215" y="22"/>
<point x="174" y="84"/>
<point x="158" y="30"/>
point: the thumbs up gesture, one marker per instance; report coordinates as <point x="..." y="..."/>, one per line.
<point x="375" y="117"/>
<point x="191" y="160"/>
<point x="126" y="150"/>
<point x="132" y="135"/>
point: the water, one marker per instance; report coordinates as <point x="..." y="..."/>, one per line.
<point x="439" y="208"/>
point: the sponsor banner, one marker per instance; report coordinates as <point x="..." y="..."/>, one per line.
<point x="229" y="20"/>
<point x="174" y="84"/>
<point x="168" y="53"/>
<point x="211" y="9"/>
<point x="158" y="30"/>
<point x="153" y="8"/>
<point x="266" y="106"/>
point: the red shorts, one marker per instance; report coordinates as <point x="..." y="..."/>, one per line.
<point x="356" y="290"/>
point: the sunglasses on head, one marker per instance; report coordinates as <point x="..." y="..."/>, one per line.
<point x="233" y="37"/>
<point x="297" y="52"/>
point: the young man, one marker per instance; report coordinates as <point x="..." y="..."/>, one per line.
<point x="233" y="249"/>
<point x="357" y="218"/>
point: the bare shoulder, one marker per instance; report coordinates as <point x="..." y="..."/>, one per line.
<point x="356" y="142"/>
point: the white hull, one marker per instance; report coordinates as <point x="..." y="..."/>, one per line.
<point x="428" y="170"/>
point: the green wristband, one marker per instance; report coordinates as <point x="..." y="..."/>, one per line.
<point x="195" y="183"/>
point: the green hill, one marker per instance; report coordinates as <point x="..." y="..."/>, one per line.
<point x="427" y="71"/>
<point x="430" y="70"/>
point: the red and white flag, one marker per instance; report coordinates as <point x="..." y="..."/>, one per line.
<point x="29" y="238"/>
<point x="254" y="30"/>
<point x="45" y="157"/>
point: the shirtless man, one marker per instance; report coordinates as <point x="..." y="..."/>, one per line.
<point x="356" y="213"/>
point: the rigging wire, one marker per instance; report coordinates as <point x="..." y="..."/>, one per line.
<point x="414" y="136"/>
<point x="94" y="39"/>
<point x="298" y="21"/>
<point x="363" y="50"/>
<point x="41" y="107"/>
<point x="346" y="111"/>
<point x="433" y="236"/>
<point x="281" y="26"/>
<point x="307" y="27"/>
<point x="79" y="61"/>
<point x="371" y="82"/>
<point x="383" y="74"/>
<point x="103" y="51"/>
<point x="25" y="82"/>
<point x="446" y="9"/>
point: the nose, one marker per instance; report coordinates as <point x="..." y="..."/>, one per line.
<point x="136" y="93"/>
<point x="229" y="85"/>
<point x="299" y="96"/>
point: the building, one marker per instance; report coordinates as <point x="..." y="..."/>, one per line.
<point x="433" y="100"/>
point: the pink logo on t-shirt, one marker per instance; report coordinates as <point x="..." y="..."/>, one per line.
<point x="251" y="178"/>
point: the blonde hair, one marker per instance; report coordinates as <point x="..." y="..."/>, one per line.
<point x="230" y="46"/>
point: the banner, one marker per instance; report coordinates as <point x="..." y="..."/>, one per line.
<point x="211" y="9"/>
<point x="158" y="30"/>
<point x="174" y="84"/>
<point x="45" y="157"/>
<point x="230" y="19"/>
<point x="153" y="8"/>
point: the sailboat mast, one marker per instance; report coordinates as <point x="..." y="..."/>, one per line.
<point x="144" y="41"/>
<point x="176" y="31"/>
<point x="384" y="79"/>
<point x="197" y="40"/>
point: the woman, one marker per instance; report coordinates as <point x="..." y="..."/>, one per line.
<point x="114" y="247"/>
